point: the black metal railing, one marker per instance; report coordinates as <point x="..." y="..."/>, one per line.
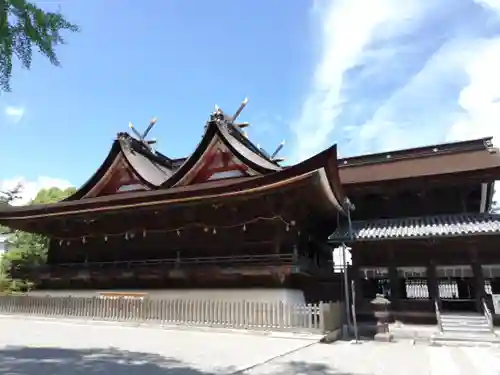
<point x="488" y="315"/>
<point x="438" y="315"/>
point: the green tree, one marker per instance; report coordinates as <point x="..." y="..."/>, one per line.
<point x="30" y="249"/>
<point x="23" y="25"/>
<point x="6" y="197"/>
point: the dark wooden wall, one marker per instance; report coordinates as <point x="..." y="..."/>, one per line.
<point x="407" y="200"/>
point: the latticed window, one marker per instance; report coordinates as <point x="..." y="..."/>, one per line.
<point x="463" y="271"/>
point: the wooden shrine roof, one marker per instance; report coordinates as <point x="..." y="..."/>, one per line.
<point x="166" y="182"/>
<point x="153" y="169"/>
<point x="320" y="171"/>
<point x="240" y="146"/>
<point x="419" y="227"/>
<point x="442" y="159"/>
<point x="175" y="181"/>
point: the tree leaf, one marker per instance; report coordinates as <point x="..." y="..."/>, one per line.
<point x="24" y="25"/>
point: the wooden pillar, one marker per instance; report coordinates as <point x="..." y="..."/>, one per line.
<point x="478" y="278"/>
<point x="278" y="237"/>
<point x="394" y="281"/>
<point x="432" y="282"/>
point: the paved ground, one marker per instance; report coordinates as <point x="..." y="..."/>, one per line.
<point x="30" y="347"/>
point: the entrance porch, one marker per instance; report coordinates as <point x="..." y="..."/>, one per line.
<point x="452" y="261"/>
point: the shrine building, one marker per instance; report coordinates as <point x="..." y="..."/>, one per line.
<point x="227" y="221"/>
<point x="231" y="222"/>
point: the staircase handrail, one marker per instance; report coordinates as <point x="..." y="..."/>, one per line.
<point x="488" y="315"/>
<point x="438" y="315"/>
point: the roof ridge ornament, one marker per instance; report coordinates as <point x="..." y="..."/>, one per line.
<point x="219" y="116"/>
<point x="228" y="122"/>
<point x="275" y="153"/>
<point x="272" y="156"/>
<point x="148" y="143"/>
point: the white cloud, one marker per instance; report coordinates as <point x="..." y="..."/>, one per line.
<point x="480" y="99"/>
<point x="394" y="74"/>
<point x="492" y="4"/>
<point x="426" y="105"/>
<point x="14" y="114"/>
<point x="348" y="28"/>
<point x="409" y="117"/>
<point x="31" y="188"/>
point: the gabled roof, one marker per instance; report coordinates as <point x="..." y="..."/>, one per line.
<point x="217" y="129"/>
<point x="151" y="168"/>
<point x="447" y="158"/>
<point x="156" y="170"/>
<point x="319" y="172"/>
<point x="420" y="227"/>
<point x="203" y="178"/>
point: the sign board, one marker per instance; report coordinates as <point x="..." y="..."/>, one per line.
<point x="122" y="295"/>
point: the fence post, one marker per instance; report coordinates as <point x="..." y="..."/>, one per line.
<point x="322" y="317"/>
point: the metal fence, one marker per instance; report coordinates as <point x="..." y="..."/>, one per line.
<point x="316" y="318"/>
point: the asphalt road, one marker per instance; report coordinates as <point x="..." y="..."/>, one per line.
<point x="32" y="347"/>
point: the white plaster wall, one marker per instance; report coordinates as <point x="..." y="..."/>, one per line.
<point x="289" y="296"/>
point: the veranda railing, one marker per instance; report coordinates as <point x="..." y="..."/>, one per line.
<point x="318" y="318"/>
<point x="181" y="261"/>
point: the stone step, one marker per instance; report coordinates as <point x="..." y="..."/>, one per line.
<point x="472" y="322"/>
<point x="464" y="317"/>
<point x="467" y="330"/>
<point x="445" y="319"/>
<point x="465" y="324"/>
<point x="465" y="338"/>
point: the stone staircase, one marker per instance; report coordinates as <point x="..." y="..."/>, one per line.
<point x="465" y="328"/>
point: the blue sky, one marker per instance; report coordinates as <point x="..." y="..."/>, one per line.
<point x="371" y="76"/>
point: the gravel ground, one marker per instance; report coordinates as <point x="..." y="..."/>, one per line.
<point x="33" y="347"/>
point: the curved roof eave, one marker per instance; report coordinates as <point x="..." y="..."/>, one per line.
<point x="149" y="168"/>
<point x="83" y="190"/>
<point x="323" y="163"/>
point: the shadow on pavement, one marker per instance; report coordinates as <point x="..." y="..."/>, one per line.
<point x="304" y="368"/>
<point x="59" y="361"/>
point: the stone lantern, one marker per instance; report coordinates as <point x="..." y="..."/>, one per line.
<point x="381" y="312"/>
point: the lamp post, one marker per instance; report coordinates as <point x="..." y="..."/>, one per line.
<point x="381" y="312"/>
<point x="350" y="207"/>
